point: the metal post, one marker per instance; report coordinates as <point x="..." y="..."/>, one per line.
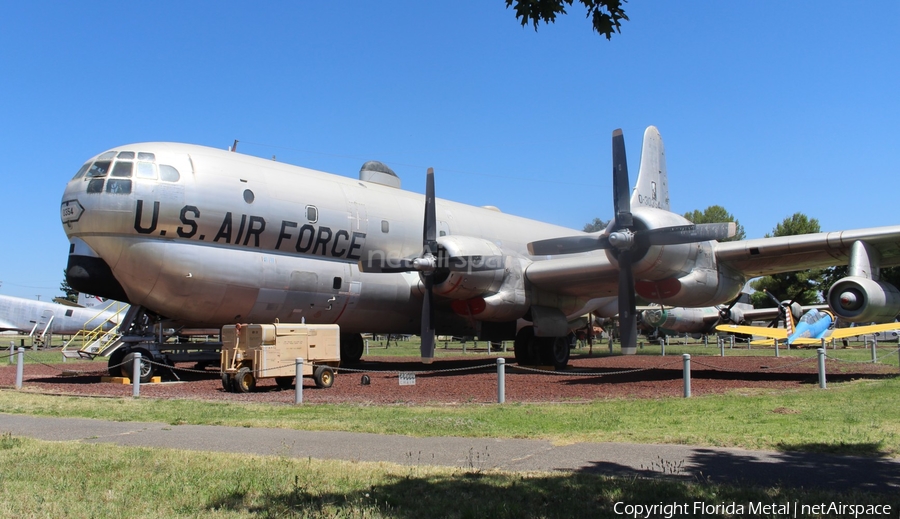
<point x="874" y="350"/>
<point x="722" y="346"/>
<point x="821" y="352"/>
<point x="298" y="385"/>
<point x="501" y="380"/>
<point x="776" y="347"/>
<point x="732" y="342"/>
<point x="464" y="347"/>
<point x="663" y="349"/>
<point x="136" y="375"/>
<point x="367" y="346"/>
<point x="705" y="341"/>
<point x="12" y="348"/>
<point x="20" y="363"/>
<point x="504" y="346"/>
<point x="610" y="344"/>
<point x="687" y="375"/>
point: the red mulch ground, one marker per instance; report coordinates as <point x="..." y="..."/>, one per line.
<point x="638" y="376"/>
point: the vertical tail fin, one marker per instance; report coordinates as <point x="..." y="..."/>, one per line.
<point x="652" y="187"/>
<point x="88" y="301"/>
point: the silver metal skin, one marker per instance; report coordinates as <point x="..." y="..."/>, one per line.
<point x="26" y="315"/>
<point x="234" y="238"/>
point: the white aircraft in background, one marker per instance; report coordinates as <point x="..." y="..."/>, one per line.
<point x="39" y="318"/>
<point x="202" y="237"/>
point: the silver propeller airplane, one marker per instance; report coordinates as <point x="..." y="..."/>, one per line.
<point x="205" y="237"/>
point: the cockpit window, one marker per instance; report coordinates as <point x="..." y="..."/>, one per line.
<point x="123" y="168"/>
<point x="106" y="156"/>
<point x="146" y="170"/>
<point x="95" y="185"/>
<point x="118" y="185"/>
<point x="143" y="155"/>
<point x="82" y="171"/>
<point x="168" y="173"/>
<point x="126" y="155"/>
<point x="99" y="168"/>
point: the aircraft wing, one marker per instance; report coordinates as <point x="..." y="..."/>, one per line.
<point x="852" y="331"/>
<point x="765" y="256"/>
<point x="590" y="275"/>
<point x="772" y="333"/>
<point x="7" y="326"/>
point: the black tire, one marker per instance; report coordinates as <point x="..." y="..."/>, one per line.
<point x="147" y="369"/>
<point x="554" y="351"/>
<point x="113" y="365"/>
<point x="227" y="382"/>
<point x="284" y="382"/>
<point x="244" y="381"/>
<point x="324" y="377"/>
<point x="352" y="347"/>
<point x="524" y="347"/>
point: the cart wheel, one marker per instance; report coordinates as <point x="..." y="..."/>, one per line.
<point x="284" y="382"/>
<point x="227" y="382"/>
<point x="324" y="376"/>
<point x="244" y="381"/>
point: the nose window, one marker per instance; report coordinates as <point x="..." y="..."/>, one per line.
<point x="123" y="168"/>
<point x="99" y="169"/>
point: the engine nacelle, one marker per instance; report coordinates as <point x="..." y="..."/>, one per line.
<point x="483" y="277"/>
<point x="862" y="300"/>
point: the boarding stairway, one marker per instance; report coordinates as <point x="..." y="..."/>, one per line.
<point x="98" y="341"/>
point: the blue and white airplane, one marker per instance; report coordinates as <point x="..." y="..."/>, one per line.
<point x="811" y="328"/>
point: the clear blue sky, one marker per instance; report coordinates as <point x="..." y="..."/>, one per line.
<point x="766" y="108"/>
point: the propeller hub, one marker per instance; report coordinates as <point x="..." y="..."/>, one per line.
<point x="621" y="239"/>
<point x="427" y="263"/>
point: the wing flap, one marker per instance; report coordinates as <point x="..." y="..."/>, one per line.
<point x="772" y="333"/>
<point x="840" y="333"/>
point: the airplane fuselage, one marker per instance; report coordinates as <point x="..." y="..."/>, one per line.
<point x="210" y="237"/>
<point x="27" y="316"/>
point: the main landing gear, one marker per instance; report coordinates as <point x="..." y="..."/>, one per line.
<point x="541" y="351"/>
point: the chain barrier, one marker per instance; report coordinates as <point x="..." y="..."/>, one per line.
<point x="593" y="373"/>
<point x="877" y="358"/>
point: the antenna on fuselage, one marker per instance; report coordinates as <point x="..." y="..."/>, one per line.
<point x="234" y="146"/>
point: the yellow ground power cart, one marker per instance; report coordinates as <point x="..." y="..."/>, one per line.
<point x="251" y="352"/>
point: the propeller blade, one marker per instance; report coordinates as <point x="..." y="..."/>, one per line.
<point x="564" y="245"/>
<point x="429" y="234"/>
<point x="621" y="185"/>
<point x="692" y="233"/>
<point x="627" y="310"/>
<point x="427" y="347"/>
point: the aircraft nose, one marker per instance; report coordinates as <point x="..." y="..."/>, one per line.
<point x="92" y="275"/>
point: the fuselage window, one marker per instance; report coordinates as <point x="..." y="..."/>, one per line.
<point x="82" y="171"/>
<point x="126" y="155"/>
<point x="69" y="313"/>
<point x="312" y="214"/>
<point x="122" y="169"/>
<point x="95" y="185"/>
<point x="168" y="173"/>
<point x="108" y="155"/>
<point x="336" y="284"/>
<point x="385" y="226"/>
<point x="146" y="170"/>
<point x="119" y="185"/>
<point x="248" y="196"/>
<point x="143" y="155"/>
<point x="99" y="169"/>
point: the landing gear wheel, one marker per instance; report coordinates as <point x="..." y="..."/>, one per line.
<point x="554" y="351"/>
<point x="284" y="382"/>
<point x="351" y="348"/>
<point x="244" y="381"/>
<point x="324" y="376"/>
<point x="114" y="365"/>
<point x="524" y="347"/>
<point x="147" y="369"/>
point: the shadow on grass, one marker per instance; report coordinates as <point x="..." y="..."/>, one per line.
<point x="592" y="492"/>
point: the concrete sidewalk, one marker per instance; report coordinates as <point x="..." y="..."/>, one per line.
<point x="678" y="461"/>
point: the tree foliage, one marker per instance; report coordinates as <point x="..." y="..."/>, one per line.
<point x="717" y="214"/>
<point x="596" y="225"/>
<point x="606" y="15"/>
<point x="803" y="286"/>
<point x="71" y="293"/>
